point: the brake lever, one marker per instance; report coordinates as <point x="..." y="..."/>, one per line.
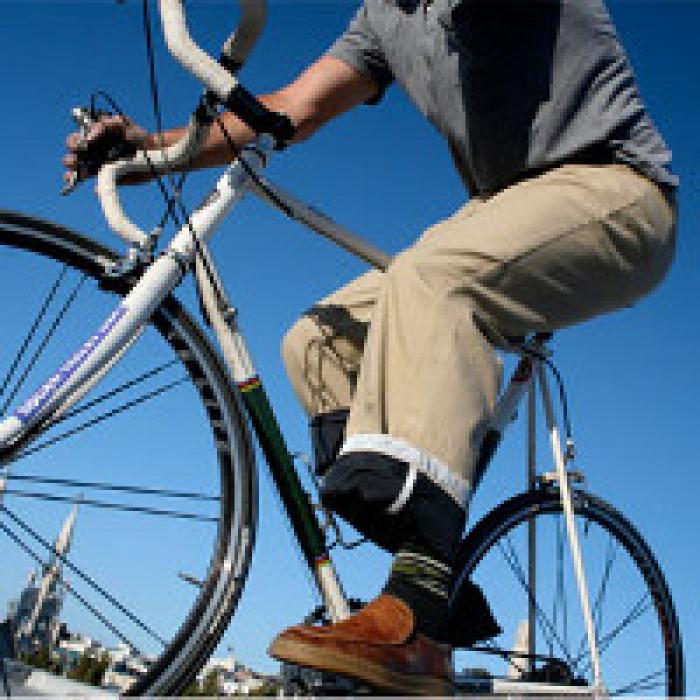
<point x="84" y="119"/>
<point x="91" y="159"/>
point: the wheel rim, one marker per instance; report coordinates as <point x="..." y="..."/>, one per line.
<point x="635" y="623"/>
<point x="171" y="374"/>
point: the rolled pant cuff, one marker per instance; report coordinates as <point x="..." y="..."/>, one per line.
<point x="434" y="469"/>
<point x="391" y="504"/>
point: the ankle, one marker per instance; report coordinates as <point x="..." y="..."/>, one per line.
<point x="421" y="580"/>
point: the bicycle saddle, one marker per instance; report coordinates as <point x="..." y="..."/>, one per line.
<point x="509" y="343"/>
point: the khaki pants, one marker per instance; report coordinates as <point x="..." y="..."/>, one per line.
<point x="400" y="348"/>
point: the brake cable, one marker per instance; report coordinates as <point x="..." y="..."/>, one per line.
<point x="532" y="351"/>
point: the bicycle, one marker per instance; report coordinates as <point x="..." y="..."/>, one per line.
<point x="540" y="652"/>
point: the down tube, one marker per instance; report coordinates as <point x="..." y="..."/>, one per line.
<point x="296" y="500"/>
<point x="95" y="356"/>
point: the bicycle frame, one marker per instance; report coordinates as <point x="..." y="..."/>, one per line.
<point x="188" y="249"/>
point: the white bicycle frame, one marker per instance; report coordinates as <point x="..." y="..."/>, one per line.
<point x="99" y="353"/>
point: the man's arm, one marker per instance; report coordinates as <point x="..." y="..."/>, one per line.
<point x="323" y="91"/>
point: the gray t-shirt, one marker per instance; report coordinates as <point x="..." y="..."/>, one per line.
<point x="515" y="86"/>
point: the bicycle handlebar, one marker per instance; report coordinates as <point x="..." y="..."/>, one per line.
<point x="181" y="45"/>
<point x="219" y="80"/>
<point x="237" y="47"/>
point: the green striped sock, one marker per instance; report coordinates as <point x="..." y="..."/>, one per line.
<point x="422" y="581"/>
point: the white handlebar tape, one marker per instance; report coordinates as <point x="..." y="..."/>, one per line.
<point x="183" y="48"/>
<point x="237" y="47"/>
<point x="160" y="160"/>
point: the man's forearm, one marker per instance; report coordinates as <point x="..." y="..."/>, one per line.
<point x="325" y="90"/>
<point x="216" y="149"/>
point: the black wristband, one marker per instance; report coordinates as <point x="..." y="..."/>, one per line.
<point x="258" y="117"/>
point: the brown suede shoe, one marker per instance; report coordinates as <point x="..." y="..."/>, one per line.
<point x="378" y="646"/>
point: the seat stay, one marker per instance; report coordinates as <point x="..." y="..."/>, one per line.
<point x="572" y="531"/>
<point x="505" y="412"/>
<point x="507" y="405"/>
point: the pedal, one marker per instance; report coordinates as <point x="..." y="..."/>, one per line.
<point x="319" y="615"/>
<point x="299" y="681"/>
<point x="302" y="681"/>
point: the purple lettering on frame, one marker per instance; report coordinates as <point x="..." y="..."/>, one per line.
<point x="48" y="389"/>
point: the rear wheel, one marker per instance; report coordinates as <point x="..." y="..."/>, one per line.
<point x="635" y="623"/>
<point x="150" y="479"/>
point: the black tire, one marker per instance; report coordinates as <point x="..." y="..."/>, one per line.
<point x="497" y="533"/>
<point x="195" y="637"/>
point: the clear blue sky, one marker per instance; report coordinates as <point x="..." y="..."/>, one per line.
<point x="383" y="171"/>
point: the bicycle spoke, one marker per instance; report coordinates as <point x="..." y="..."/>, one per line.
<point x="597" y="610"/>
<point x="112" y="393"/>
<point x="638" y="609"/>
<point x="111" y="627"/>
<point x="99" y="419"/>
<point x="611" y="555"/>
<point x="641" y="684"/>
<point x="42" y="345"/>
<point x="111" y="506"/>
<point x="79" y="572"/>
<point x="101" y="486"/>
<point x="513" y="562"/>
<point x="564" y="602"/>
<point x="32" y="331"/>
<point x="555" y="598"/>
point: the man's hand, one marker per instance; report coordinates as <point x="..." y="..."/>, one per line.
<point x="107" y="139"/>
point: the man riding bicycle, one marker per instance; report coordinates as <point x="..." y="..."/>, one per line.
<point x="571" y="214"/>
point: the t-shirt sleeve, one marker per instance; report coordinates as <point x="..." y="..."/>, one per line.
<point x="360" y="48"/>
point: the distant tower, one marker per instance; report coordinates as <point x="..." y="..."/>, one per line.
<point x="39" y="605"/>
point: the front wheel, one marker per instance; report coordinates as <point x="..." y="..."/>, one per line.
<point x="128" y="524"/>
<point x="535" y="601"/>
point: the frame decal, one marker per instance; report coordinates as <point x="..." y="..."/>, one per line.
<point x="249" y="384"/>
<point x="51" y="386"/>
